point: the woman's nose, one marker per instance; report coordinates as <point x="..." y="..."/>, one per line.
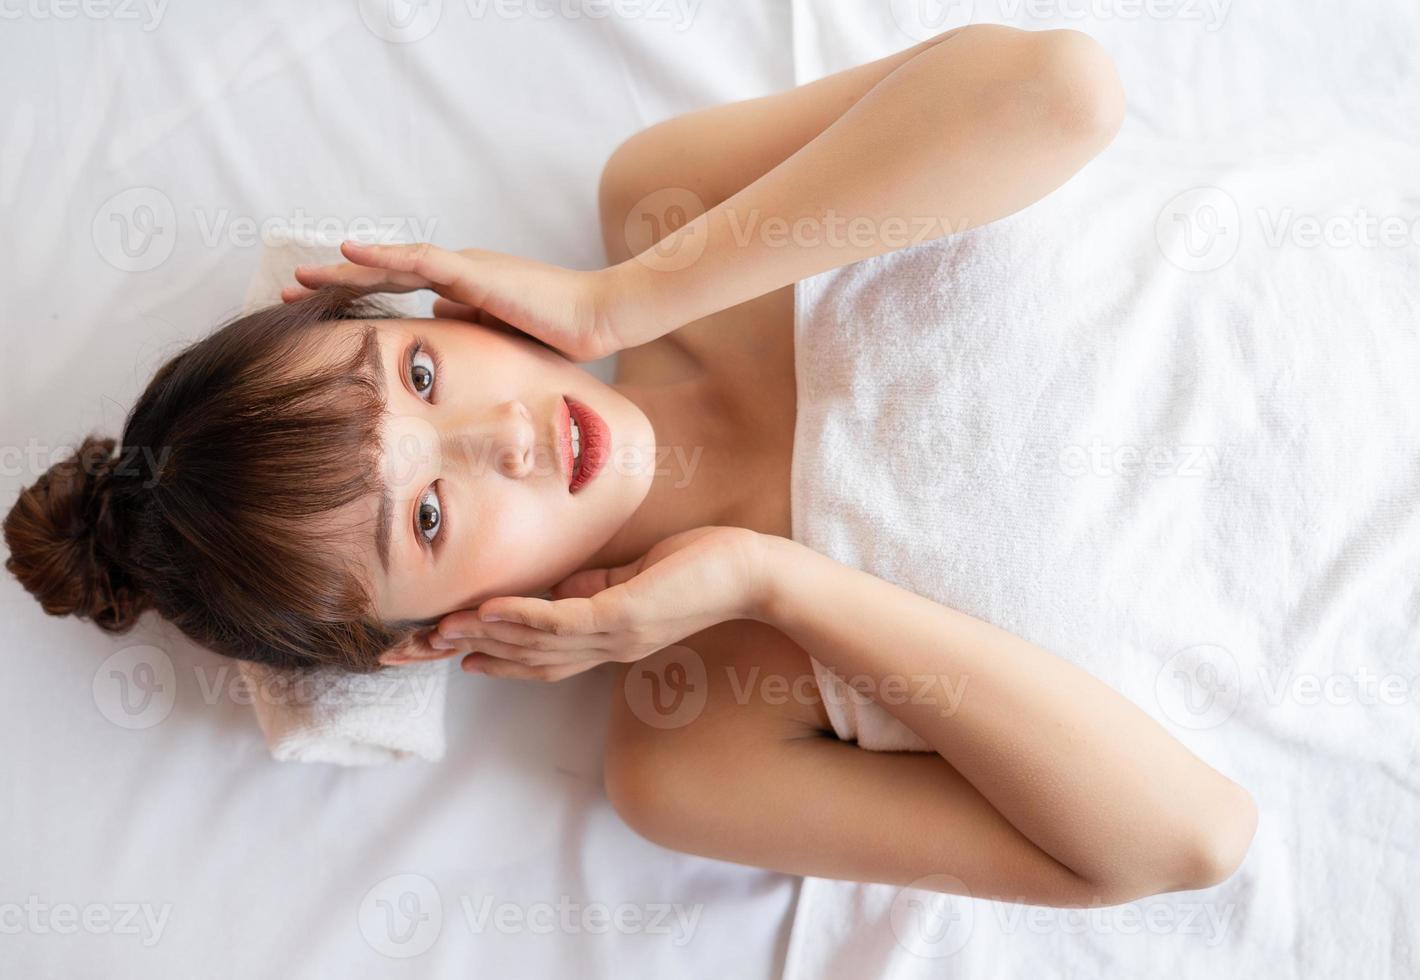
<point x="504" y="441"/>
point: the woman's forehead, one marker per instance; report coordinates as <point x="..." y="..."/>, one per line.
<point x="353" y="344"/>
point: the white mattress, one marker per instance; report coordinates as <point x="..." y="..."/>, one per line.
<point x="495" y="130"/>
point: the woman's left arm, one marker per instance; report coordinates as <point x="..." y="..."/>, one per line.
<point x="970" y="129"/>
<point x="1073" y="765"/>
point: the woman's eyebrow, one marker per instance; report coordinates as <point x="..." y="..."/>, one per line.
<point x="371" y="359"/>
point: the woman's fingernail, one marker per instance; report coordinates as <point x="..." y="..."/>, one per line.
<point x="490" y="617"/>
<point x="439" y="643"/>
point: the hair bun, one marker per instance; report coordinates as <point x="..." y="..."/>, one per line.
<point x="64" y="541"/>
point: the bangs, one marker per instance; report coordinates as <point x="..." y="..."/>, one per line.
<point x="287" y="436"/>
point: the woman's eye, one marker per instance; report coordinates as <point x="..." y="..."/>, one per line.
<point x="421" y="372"/>
<point x="431" y="514"/>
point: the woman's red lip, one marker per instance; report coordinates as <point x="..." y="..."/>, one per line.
<point x="596" y="443"/>
<point x="564" y="440"/>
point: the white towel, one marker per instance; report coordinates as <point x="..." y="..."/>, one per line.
<point x="1254" y="585"/>
<point x="351" y="719"/>
<point x="858" y="718"/>
<point x="1200" y="484"/>
<point x="329" y="715"/>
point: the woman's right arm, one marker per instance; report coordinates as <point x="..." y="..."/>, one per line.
<point x="957" y="132"/>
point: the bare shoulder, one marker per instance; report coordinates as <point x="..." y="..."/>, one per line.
<point x="749" y="345"/>
<point x="733" y="691"/>
<point x="741" y="680"/>
<point x="719" y="747"/>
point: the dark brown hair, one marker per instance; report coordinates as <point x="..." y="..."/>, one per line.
<point x="214" y="508"/>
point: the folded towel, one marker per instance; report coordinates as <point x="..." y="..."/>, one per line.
<point x="858" y="718"/>
<point x="329" y="715"/>
<point x="351" y="719"/>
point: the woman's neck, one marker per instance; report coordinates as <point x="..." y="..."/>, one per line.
<point x="696" y="480"/>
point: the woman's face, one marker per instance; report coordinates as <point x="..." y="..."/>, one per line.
<point x="479" y="502"/>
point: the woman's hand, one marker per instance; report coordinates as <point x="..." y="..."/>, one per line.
<point x="583" y="314"/>
<point x="686" y="583"/>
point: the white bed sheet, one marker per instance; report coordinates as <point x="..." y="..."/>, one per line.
<point x="486" y="131"/>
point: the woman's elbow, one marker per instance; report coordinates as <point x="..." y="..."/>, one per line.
<point x="1210" y="851"/>
<point x="1077" y="86"/>
<point x="1223" y="842"/>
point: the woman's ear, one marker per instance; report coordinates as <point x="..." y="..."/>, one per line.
<point x="413" y="650"/>
<point x="393" y="658"/>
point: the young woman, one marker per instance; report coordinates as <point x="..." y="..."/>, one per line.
<point x="320" y="483"/>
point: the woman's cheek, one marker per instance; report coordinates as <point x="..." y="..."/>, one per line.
<point x="517" y="552"/>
